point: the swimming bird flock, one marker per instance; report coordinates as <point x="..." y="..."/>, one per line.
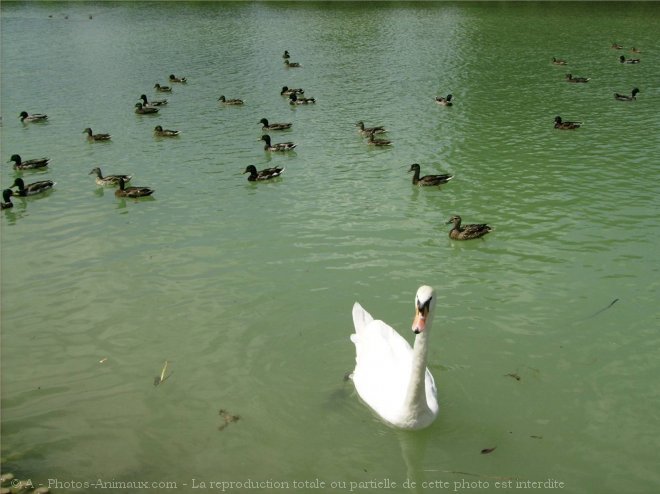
<point x="295" y="97"/>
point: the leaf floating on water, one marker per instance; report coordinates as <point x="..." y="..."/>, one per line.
<point x="485" y="451"/>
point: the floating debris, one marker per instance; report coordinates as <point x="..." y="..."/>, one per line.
<point x="159" y="379"/>
<point x="103" y="360"/>
<point x="536" y="437"/>
<point x="485" y="451"/>
<point x="515" y="375"/>
<point x="227" y="417"/>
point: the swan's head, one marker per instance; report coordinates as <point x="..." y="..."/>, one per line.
<point x="424" y="305"/>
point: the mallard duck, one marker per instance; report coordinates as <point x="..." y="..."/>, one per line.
<point x="124" y="191"/>
<point x="156" y="102"/>
<point x="570" y="78"/>
<point x="274" y="126"/>
<point x="428" y="179"/>
<point x="377" y="142"/>
<point x="286" y="91"/>
<point x="559" y="61"/>
<point x="617" y="46"/>
<point x="635" y="50"/>
<point x="623" y="59"/>
<point x="96" y="137"/>
<point x="280" y="146"/>
<point x="35" y="117"/>
<point x="109" y="179"/>
<point x="369" y="130"/>
<point x="28" y="164"/>
<point x="560" y="124"/>
<point x="295" y="100"/>
<point x="6" y="199"/>
<point x="33" y="188"/>
<point x="162" y="89"/>
<point x="160" y="132"/>
<point x="179" y="80"/>
<point x="291" y="64"/>
<point x="286" y="54"/>
<point x="466" y="232"/>
<point x="234" y="101"/>
<point x="624" y="97"/>
<point x="446" y="101"/>
<point x="141" y="109"/>
<point x="265" y="174"/>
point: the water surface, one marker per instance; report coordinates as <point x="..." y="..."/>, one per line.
<point x="246" y="290"/>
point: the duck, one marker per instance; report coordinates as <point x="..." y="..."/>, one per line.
<point x="623" y="59"/>
<point x="35" y="117"/>
<point x="446" y="101"/>
<point x="265" y="174"/>
<point x="124" y="191"/>
<point x="295" y="100"/>
<point x="141" y="109"/>
<point x="617" y="46"/>
<point x="466" y="232"/>
<point x="377" y="142"/>
<point x="291" y="64"/>
<point x="274" y="126"/>
<point x="96" y="137"/>
<point x="625" y="97"/>
<point x="156" y="102"/>
<point x="160" y="132"/>
<point x="6" y="199"/>
<point x="635" y="50"/>
<point x="428" y="180"/>
<point x="390" y="376"/>
<point x="286" y="91"/>
<point x="162" y="89"/>
<point x="570" y="78"/>
<point x="28" y="164"/>
<point x="33" y="188"/>
<point x="108" y="179"/>
<point x="369" y="130"/>
<point x="178" y="80"/>
<point x="235" y="101"/>
<point x="560" y="124"/>
<point x="559" y="61"/>
<point x="280" y="146"/>
<point x="286" y="54"/>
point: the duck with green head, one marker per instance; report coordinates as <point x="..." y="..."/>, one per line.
<point x="35" y="117"/>
<point x="625" y="97"/>
<point x="274" y="126"/>
<point x="265" y="174"/>
<point x="33" y="188"/>
<point x="31" y="164"/>
<point x="6" y="199"/>
<point x="277" y="147"/>
<point x="133" y="192"/>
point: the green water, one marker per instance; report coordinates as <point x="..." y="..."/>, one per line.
<point x="246" y="289"/>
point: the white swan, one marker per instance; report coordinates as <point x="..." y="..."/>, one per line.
<point x="390" y="376"/>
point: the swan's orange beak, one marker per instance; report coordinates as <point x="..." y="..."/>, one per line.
<point x="419" y="323"/>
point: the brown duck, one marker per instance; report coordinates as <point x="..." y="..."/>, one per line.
<point x="466" y="232"/>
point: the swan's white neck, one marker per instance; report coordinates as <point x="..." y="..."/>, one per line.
<point x="415" y="404"/>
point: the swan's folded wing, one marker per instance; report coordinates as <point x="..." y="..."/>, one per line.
<point x="360" y="318"/>
<point x="382" y="370"/>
